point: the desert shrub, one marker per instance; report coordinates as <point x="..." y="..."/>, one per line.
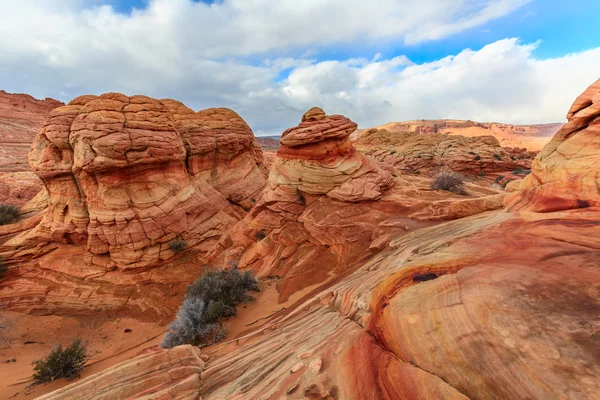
<point x="3" y="268"/>
<point x="8" y="213"/>
<point x="211" y="298"/>
<point x="481" y="173"/>
<point x="498" y="178"/>
<point x="497" y="156"/>
<point x="260" y="235"/>
<point x="449" y="182"/>
<point x="300" y="196"/>
<point x="177" y="245"/>
<point x="521" y="171"/>
<point x="229" y="286"/>
<point x="61" y="362"/>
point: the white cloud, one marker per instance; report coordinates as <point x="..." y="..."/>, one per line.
<point x="199" y="54"/>
<point x="501" y="82"/>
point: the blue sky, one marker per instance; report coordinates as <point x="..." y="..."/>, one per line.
<point x="518" y="61"/>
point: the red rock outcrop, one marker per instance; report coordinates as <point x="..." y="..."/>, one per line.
<point x="566" y="173"/>
<point x="421" y="152"/>
<point x="124" y="177"/>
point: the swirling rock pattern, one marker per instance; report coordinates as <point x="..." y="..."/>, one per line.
<point x="157" y="374"/>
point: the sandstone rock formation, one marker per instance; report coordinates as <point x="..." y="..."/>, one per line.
<point x="500" y="305"/>
<point x="416" y="152"/>
<point x="566" y="173"/>
<point x="21" y="117"/>
<point x="319" y="200"/>
<point x="124" y="177"/>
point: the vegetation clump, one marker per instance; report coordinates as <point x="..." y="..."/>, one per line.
<point x="521" y="171"/>
<point x="450" y="182"/>
<point x="3" y="268"/>
<point x="211" y="298"/>
<point x="497" y="156"/>
<point x="8" y="213"/>
<point x="61" y="362"/>
<point x="260" y="235"/>
<point x="177" y="245"/>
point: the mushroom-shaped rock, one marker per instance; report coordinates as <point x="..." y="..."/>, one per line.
<point x="317" y="157"/>
<point x="319" y="209"/>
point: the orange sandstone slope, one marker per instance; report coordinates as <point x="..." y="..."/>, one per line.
<point x="124" y="177"/>
<point x="500" y="305"/>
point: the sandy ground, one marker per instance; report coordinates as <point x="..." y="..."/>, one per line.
<point x="31" y="337"/>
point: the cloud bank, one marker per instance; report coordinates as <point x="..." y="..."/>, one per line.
<point x="261" y="58"/>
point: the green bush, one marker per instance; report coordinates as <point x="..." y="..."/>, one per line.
<point x="260" y="235"/>
<point x="449" y="182"/>
<point x="497" y="156"/>
<point x="61" y="362"/>
<point x="8" y="213"/>
<point x="211" y="298"/>
<point x="177" y="245"/>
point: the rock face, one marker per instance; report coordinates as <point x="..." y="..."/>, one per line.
<point x="566" y="173"/>
<point x="124" y="177"/>
<point x="19" y="187"/>
<point x="409" y="151"/>
<point x="21" y="117"/>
